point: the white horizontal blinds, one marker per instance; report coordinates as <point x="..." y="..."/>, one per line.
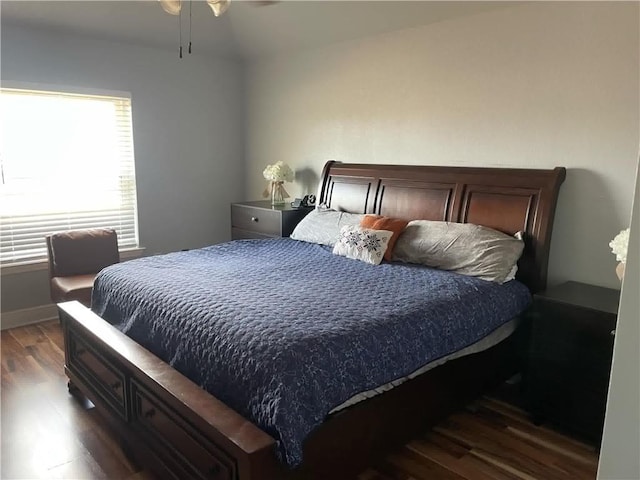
<point x="67" y="163"/>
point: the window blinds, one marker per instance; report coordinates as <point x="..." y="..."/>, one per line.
<point x="66" y="163"/>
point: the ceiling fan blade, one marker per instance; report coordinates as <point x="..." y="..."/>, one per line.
<point x="172" y="7"/>
<point x="219" y="6"/>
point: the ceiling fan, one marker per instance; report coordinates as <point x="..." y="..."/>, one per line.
<point x="174" y="7"/>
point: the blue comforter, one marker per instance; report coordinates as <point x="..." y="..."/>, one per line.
<point x="283" y="331"/>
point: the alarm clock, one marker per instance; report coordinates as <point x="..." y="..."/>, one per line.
<point x="307" y="201"/>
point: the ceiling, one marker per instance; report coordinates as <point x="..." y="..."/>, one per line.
<point x="247" y="29"/>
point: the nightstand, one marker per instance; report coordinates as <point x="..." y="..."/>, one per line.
<point x="569" y="359"/>
<point x="262" y="220"/>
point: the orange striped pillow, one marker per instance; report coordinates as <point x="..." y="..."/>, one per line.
<point x="379" y="222"/>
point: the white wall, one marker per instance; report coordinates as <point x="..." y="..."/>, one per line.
<point x="188" y="133"/>
<point x="537" y="85"/>
<point x="619" y="459"/>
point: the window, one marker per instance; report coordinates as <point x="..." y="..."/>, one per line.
<point x="66" y="163"/>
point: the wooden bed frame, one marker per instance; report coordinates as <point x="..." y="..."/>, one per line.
<point x="178" y="430"/>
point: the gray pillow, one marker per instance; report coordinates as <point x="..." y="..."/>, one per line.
<point x="464" y="248"/>
<point x="323" y="226"/>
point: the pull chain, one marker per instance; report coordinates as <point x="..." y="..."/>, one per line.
<point x="180" y="31"/>
<point x="190" y="2"/>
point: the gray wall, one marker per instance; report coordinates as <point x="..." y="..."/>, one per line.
<point x="538" y="85"/>
<point x="188" y="133"/>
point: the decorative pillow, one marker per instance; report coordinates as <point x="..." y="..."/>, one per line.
<point x="323" y="226"/>
<point x="465" y="248"/>
<point x="362" y="244"/>
<point x="379" y="222"/>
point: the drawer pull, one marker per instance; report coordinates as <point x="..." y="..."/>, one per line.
<point x="116" y="385"/>
<point x="214" y="471"/>
<point x="613" y="332"/>
<point x="254" y="219"/>
<point x="150" y="413"/>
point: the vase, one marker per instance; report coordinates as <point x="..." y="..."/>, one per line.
<point x="620" y="270"/>
<point x="277" y="193"/>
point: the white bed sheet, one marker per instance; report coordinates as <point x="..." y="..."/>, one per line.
<point x="487" y="342"/>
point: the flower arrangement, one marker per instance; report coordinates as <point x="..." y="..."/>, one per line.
<point x="277" y="174"/>
<point x="619" y="245"/>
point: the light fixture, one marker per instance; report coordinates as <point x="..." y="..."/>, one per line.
<point x="174" y="7"/>
<point x="219" y="6"/>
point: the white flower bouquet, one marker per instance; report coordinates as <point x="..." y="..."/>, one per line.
<point x="619" y="245"/>
<point x="277" y="174"/>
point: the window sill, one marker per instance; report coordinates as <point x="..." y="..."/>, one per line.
<point x="39" y="265"/>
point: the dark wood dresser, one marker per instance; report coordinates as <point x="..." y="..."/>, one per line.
<point x="262" y="220"/>
<point x="567" y="378"/>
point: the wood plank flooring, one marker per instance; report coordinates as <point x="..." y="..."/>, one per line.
<point x="47" y="433"/>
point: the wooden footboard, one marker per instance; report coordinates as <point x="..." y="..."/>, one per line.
<point x="180" y="431"/>
<point x="167" y="421"/>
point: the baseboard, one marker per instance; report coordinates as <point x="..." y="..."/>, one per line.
<point x="27" y="316"/>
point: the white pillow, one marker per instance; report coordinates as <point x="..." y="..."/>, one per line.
<point x="465" y="248"/>
<point x="512" y="274"/>
<point x="514" y="270"/>
<point x="362" y="244"/>
<point x="323" y="226"/>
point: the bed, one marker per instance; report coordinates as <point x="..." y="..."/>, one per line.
<point x="171" y="424"/>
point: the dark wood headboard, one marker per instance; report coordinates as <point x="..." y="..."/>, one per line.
<point x="505" y="199"/>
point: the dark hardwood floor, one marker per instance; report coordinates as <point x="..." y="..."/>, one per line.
<point x="47" y="433"/>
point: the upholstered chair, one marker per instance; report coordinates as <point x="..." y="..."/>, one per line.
<point x="75" y="258"/>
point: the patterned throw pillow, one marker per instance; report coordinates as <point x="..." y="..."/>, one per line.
<point x="379" y="222"/>
<point x="362" y="243"/>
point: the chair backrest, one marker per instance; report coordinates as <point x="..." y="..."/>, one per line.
<point x="79" y="252"/>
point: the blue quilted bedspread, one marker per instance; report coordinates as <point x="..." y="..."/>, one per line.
<point x="283" y="331"/>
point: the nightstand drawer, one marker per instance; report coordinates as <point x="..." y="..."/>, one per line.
<point x="562" y="326"/>
<point x="259" y="220"/>
<point x="543" y="371"/>
<point x="262" y="220"/>
<point x="572" y="358"/>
